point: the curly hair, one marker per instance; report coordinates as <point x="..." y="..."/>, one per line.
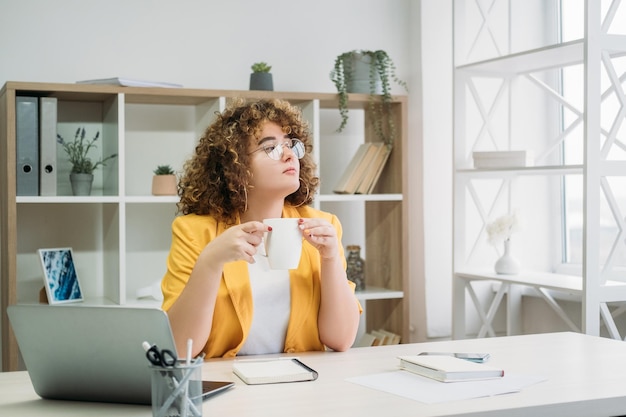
<point x="216" y="178"/>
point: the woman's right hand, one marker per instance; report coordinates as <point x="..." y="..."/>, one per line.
<point x="238" y="242"/>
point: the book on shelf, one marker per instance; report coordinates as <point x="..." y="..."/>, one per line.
<point x="382" y="337"/>
<point x="378" y="338"/>
<point x="375" y="169"/>
<point x="272" y="371"/>
<point x="366" y="340"/>
<point x="349" y="170"/>
<point x="502" y="159"/>
<point x="358" y="168"/>
<point x="130" y="82"/>
<point x="448" y="368"/>
<point x="391" y="337"/>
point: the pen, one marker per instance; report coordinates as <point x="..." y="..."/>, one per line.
<point x="187" y="362"/>
<point x="189" y="346"/>
<point x="147" y="346"/>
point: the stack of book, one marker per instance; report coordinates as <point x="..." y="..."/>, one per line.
<point x="363" y="171"/>
<point x="378" y="338"/>
<point x="448" y="368"/>
<point x="502" y="159"/>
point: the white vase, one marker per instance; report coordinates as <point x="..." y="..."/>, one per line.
<point x="507" y="264"/>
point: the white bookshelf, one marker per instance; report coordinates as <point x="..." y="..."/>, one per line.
<point x="537" y="68"/>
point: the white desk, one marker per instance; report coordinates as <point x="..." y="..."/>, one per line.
<point x="512" y="285"/>
<point x="586" y="376"/>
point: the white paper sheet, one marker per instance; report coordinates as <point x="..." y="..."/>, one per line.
<point x="430" y="391"/>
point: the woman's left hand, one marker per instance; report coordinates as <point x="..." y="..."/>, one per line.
<point x="321" y="234"/>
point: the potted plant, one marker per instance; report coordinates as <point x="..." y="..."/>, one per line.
<point x="368" y="72"/>
<point x="164" y="181"/>
<point x="261" y="78"/>
<point x="81" y="176"/>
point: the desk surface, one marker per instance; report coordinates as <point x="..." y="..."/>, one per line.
<point x="586" y="376"/>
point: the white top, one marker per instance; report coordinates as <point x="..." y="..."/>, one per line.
<point x="272" y="307"/>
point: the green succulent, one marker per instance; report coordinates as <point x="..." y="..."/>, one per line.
<point x="163" y="170"/>
<point x="261" y="67"/>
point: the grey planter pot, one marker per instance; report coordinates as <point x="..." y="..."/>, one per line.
<point x="360" y="78"/>
<point x="81" y="183"/>
<point x="261" y="81"/>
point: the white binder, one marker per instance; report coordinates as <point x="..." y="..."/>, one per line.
<point x="48" y="146"/>
<point x="27" y="145"/>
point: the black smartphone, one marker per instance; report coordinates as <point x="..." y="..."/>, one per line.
<point x="210" y="388"/>
<point x="472" y="357"/>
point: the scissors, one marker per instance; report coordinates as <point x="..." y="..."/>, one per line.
<point x="159" y="357"/>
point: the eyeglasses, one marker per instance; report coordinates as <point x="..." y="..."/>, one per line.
<point x="276" y="151"/>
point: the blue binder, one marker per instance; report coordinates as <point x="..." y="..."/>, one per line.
<point x="27" y="145"/>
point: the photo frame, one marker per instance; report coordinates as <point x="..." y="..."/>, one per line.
<point x="59" y="273"/>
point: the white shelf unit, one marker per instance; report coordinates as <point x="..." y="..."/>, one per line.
<point x="121" y="234"/>
<point x="505" y="125"/>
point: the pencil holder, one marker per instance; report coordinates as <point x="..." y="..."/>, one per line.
<point x="177" y="390"/>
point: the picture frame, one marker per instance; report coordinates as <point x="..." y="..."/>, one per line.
<point x="59" y="274"/>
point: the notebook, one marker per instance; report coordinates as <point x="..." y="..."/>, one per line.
<point x="86" y="353"/>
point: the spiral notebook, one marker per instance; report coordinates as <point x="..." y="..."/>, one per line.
<point x="273" y="371"/>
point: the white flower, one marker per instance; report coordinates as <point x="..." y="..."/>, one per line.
<point x="502" y="228"/>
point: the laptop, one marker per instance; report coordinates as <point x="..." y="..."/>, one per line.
<point x="86" y="353"/>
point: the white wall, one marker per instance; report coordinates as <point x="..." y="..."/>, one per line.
<point x="197" y="43"/>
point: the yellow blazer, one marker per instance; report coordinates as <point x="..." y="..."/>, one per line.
<point x="233" y="312"/>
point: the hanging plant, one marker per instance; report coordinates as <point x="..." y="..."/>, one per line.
<point x="382" y="72"/>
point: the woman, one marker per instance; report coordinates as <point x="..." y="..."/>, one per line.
<point x="254" y="163"/>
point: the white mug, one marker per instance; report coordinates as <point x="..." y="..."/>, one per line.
<point x="283" y="245"/>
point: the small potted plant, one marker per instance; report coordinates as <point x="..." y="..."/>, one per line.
<point x="164" y="181"/>
<point x="367" y="72"/>
<point x="261" y="78"/>
<point x="81" y="176"/>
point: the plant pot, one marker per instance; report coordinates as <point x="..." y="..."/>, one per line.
<point x="81" y="183"/>
<point x="359" y="79"/>
<point x="261" y="81"/>
<point x="164" y="185"/>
